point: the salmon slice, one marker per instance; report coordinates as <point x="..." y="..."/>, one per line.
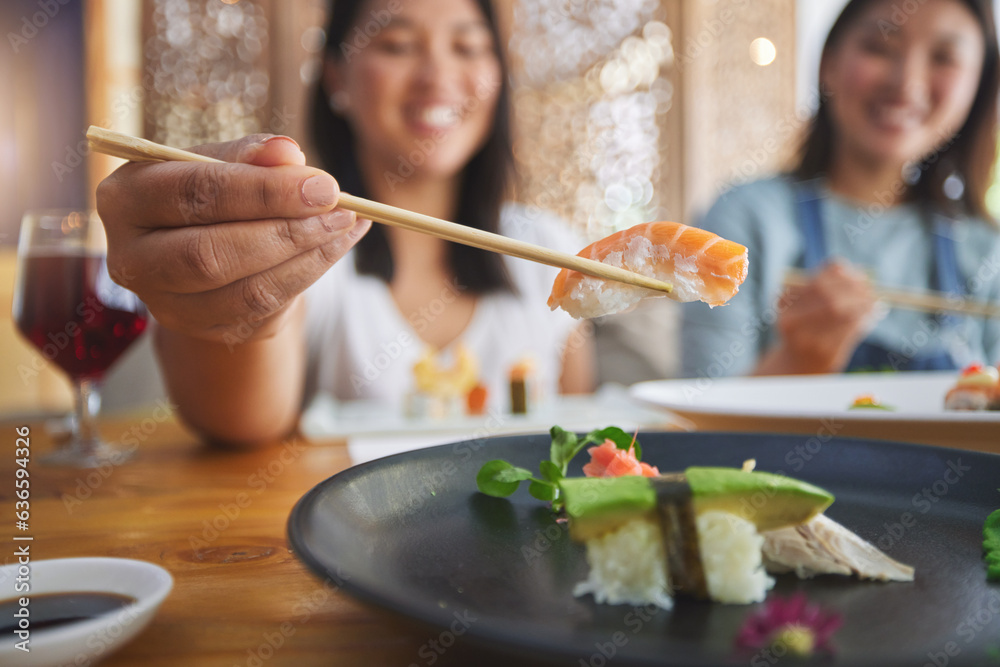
<point x="607" y="460"/>
<point x="701" y="266"/>
<point x="823" y="546"/>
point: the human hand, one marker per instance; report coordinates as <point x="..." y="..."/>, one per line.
<point x="217" y="250"/>
<point x="822" y="322"/>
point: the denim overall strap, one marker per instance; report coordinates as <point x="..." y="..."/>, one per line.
<point x="814" y="252"/>
<point x="947" y="276"/>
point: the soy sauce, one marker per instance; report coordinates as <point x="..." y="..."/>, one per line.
<point x="54" y="610"/>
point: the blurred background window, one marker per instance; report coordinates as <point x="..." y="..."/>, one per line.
<point x="43" y="119"/>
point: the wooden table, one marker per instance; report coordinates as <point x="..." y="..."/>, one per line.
<point x="216" y="521"/>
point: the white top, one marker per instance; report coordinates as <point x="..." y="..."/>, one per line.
<point x="361" y="347"/>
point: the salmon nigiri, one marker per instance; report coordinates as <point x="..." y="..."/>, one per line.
<point x="701" y="266"/>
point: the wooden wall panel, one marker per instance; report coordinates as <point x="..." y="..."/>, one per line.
<point x="738" y="117"/>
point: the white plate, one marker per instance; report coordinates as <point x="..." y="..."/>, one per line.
<point x="802" y="403"/>
<point x="86" y="641"/>
<point x="917" y="396"/>
<point x="326" y="417"/>
<point x="373" y="432"/>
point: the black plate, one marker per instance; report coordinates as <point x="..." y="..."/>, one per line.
<point x="411" y="533"/>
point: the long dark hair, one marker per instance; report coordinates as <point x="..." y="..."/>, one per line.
<point x="969" y="154"/>
<point x="483" y="184"/>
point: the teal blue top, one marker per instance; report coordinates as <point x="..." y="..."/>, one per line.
<point x="893" y="245"/>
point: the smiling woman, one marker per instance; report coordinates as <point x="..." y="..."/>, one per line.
<point x="425" y="95"/>
<point x="903" y="88"/>
<point x="890" y="186"/>
<point x="413" y="112"/>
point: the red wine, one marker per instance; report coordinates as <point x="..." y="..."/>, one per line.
<point x="52" y="610"/>
<point x="68" y="308"/>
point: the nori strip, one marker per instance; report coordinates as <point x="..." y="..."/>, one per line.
<point x="680" y="535"/>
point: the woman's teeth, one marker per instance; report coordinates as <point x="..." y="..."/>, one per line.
<point x="896" y="116"/>
<point x="439" y="117"/>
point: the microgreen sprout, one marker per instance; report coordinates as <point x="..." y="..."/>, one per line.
<point x="499" y="478"/>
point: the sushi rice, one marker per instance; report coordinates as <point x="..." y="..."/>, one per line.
<point x="731" y="555"/>
<point x="629" y="566"/>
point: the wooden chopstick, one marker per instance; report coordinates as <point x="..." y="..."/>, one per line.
<point x="142" y="150"/>
<point x="929" y="301"/>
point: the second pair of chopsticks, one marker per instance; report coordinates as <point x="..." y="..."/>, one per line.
<point x="141" y="150"/>
<point x="930" y="302"/>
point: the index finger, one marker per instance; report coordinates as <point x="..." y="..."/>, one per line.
<point x="844" y="270"/>
<point x="264" y="150"/>
<point x="171" y="194"/>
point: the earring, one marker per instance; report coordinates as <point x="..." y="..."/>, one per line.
<point x="339" y="102"/>
<point x="911" y="173"/>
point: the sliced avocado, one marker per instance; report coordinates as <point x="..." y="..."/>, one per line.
<point x="769" y="501"/>
<point x="597" y="505"/>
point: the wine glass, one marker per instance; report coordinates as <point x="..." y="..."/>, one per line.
<point x="67" y="306"/>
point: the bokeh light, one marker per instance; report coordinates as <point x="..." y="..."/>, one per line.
<point x="590" y="99"/>
<point x="208" y="71"/>
<point x="762" y="51"/>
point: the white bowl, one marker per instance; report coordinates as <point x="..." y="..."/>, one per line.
<point x="86" y="641"/>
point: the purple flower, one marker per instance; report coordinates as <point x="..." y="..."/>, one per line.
<point x="791" y="624"/>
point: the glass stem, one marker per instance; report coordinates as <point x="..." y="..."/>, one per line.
<point x="88" y="404"/>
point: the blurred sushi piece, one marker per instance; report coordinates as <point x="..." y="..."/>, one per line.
<point x="977" y="388"/>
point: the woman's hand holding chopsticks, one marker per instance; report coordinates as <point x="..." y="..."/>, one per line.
<point x="923" y="301"/>
<point x="133" y="148"/>
<point x="220" y="251"/>
<point x="821" y="321"/>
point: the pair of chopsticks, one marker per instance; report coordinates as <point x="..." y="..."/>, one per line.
<point x="929" y="301"/>
<point x="141" y="150"/>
